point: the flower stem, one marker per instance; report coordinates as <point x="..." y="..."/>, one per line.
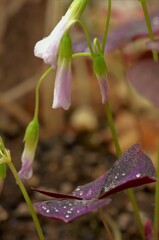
<point x="27" y="199"/>
<point x="119" y="152"/>
<point x="81" y="54"/>
<point x="106" y="26"/>
<point x="107" y="230"/>
<point x="156" y="211"/>
<point x="113" y="130"/>
<point x="149" y="27"/>
<point x="37" y="91"/>
<point x="84" y="27"/>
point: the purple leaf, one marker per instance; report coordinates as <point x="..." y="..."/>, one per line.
<point x="131" y="31"/>
<point x="123" y="35"/>
<point x="90" y="190"/>
<point x="57" y="195"/>
<point x="132" y="169"/>
<point x="68" y="210"/>
<point x="144" y="78"/>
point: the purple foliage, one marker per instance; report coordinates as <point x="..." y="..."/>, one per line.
<point x="132" y="169"/>
<point x="123" y="35"/>
<point x="68" y="210"/>
<point x="144" y="78"/>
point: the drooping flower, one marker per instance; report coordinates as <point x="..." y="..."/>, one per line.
<point x="31" y="140"/>
<point x="100" y="71"/>
<point x="63" y="80"/>
<point x="132" y="169"/>
<point x="47" y="48"/>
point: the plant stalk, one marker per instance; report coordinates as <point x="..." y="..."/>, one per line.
<point x="119" y="152"/>
<point x="106" y="26"/>
<point x="27" y="199"/>
<point x="37" y="91"/>
<point x="149" y="27"/>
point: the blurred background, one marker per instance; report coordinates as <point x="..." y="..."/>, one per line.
<point x="75" y="146"/>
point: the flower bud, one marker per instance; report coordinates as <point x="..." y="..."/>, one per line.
<point x="100" y="70"/>
<point x="63" y="80"/>
<point x="31" y="140"/>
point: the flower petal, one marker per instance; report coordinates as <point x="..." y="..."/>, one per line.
<point x="47" y="48"/>
<point x="104" y="88"/>
<point x="26" y="170"/>
<point x="68" y="210"/>
<point x="63" y="86"/>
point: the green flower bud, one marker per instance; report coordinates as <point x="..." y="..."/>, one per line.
<point x="100" y="70"/>
<point x="31" y="134"/>
<point x="99" y="65"/>
<point x="31" y="140"/>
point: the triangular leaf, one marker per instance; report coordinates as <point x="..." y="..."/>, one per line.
<point x="68" y="210"/>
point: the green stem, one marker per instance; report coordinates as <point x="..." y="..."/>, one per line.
<point x="149" y="27"/>
<point x="27" y="199"/>
<point x="119" y="152"/>
<point x="107" y="230"/>
<point x="82" y="24"/>
<point x="81" y="55"/>
<point x="37" y="91"/>
<point x="156" y="211"/>
<point x="113" y="130"/>
<point x="106" y="26"/>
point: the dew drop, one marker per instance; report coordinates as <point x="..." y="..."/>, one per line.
<point x="138" y="175"/>
<point x="67" y="216"/>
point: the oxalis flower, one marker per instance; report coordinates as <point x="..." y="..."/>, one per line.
<point x="31" y="140"/>
<point x="100" y="71"/>
<point x="63" y="80"/>
<point x="132" y="169"/>
<point x="47" y="48"/>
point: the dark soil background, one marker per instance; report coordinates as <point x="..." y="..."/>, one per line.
<point x="64" y="160"/>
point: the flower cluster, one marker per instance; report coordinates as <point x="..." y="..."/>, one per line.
<point x="56" y="50"/>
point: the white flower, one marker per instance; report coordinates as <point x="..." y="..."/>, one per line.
<point x="47" y="48"/>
